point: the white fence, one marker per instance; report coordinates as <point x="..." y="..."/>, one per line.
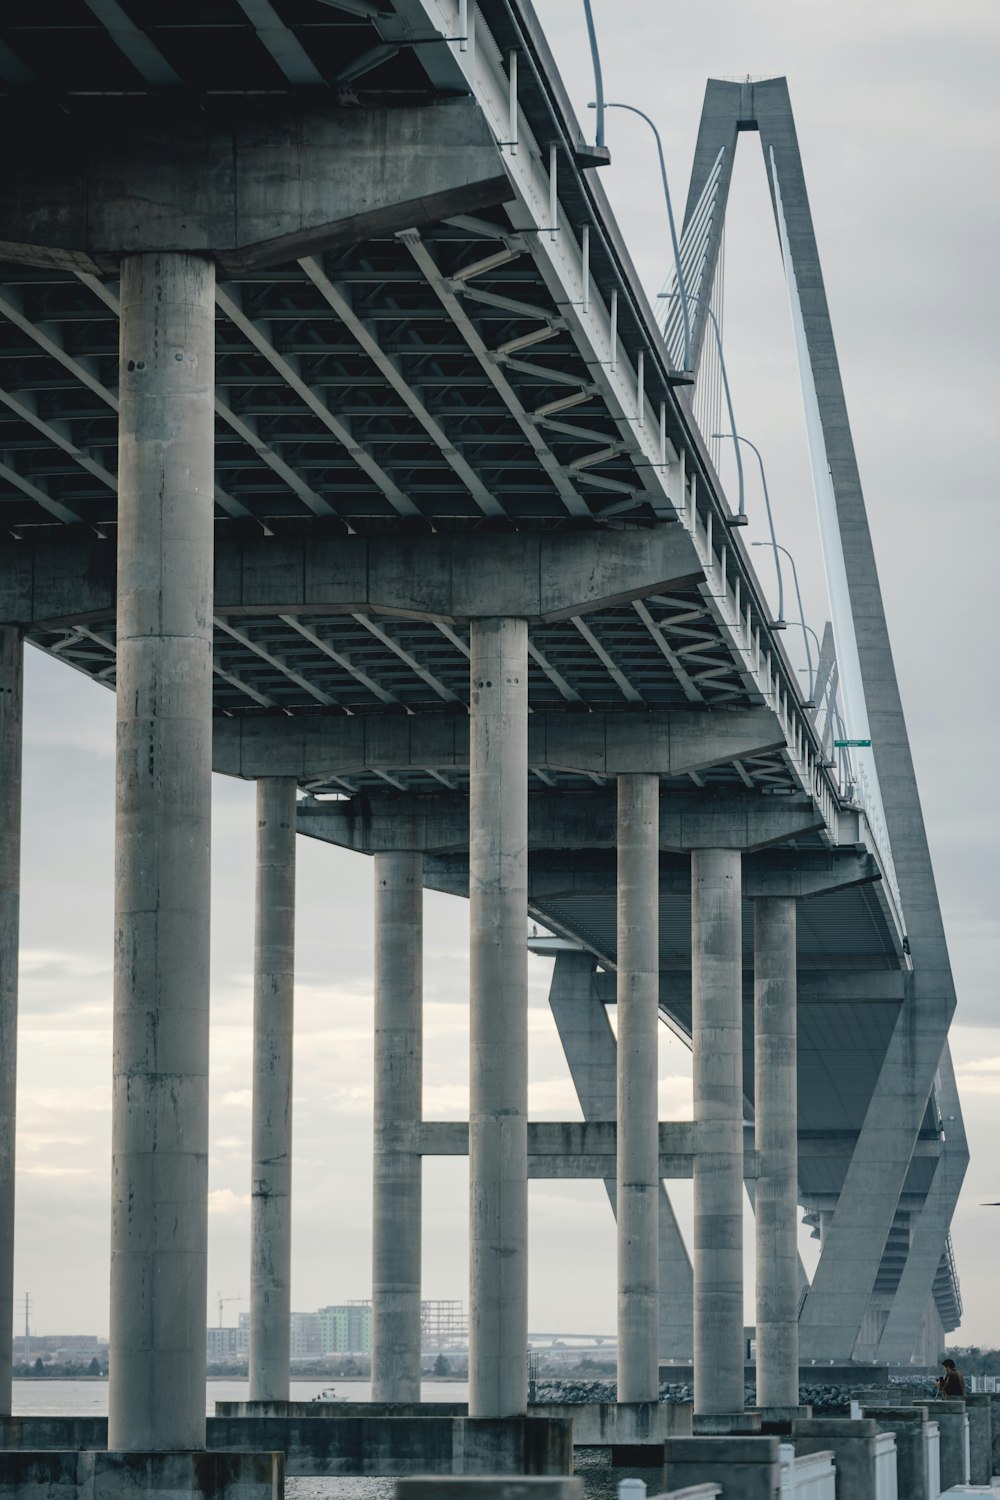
<point x="810" y="1476"/>
<point x="932" y="1449"/>
<point x="885" y="1466"/>
<point x="977" y="1384"/>
<point x="635" y="1489"/>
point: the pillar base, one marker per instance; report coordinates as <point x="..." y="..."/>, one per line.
<point x="98" y="1475"/>
<point x="724" y="1424"/>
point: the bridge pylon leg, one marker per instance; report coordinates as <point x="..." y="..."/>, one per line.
<point x="396" y="1202"/>
<point x="498" y="999"/>
<point x="717" y="1055"/>
<point x="271" y="1173"/>
<point x="775" y="1115"/>
<point x="162" y="854"/>
<point x="11" y="708"/>
<point x="638" y="1147"/>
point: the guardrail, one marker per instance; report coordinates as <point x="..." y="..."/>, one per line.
<point x="808" y="1476"/>
<point x="932" y="1459"/>
<point x="885" y="1466"/>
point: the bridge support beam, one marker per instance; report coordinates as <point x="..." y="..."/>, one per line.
<point x="590" y="1048"/>
<point x="717" y="1054"/>
<point x="11" y="709"/>
<point x="271" y="1178"/>
<point x="776" y="1190"/>
<point x="498" y="995"/>
<point x="396" y="1198"/>
<point x="162" y="855"/>
<point x="638" y="1148"/>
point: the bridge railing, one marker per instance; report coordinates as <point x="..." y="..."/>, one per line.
<point x="807" y="1476"/>
<point x="932" y="1459"/>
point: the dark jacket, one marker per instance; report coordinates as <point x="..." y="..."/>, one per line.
<point x="952" y="1384"/>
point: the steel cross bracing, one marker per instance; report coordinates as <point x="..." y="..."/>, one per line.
<point x="485" y="373"/>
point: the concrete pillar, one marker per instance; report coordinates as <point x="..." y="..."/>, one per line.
<point x="909" y="1427"/>
<point x="162" y="854"/>
<point x="979" y="1410"/>
<point x="498" y="997"/>
<point x="638" y="1160"/>
<point x="11" y="706"/>
<point x="776" y="1125"/>
<point x="717" y="1055"/>
<point x="399" y="904"/>
<point x="271" y="1146"/>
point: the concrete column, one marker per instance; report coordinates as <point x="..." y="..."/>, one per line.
<point x="399" y="904"/>
<point x="498" y="996"/>
<point x="717" y="1055"/>
<point x="162" y="854"/>
<point x="638" y="1158"/>
<point x="776" y="1117"/>
<point x="11" y="701"/>
<point x="271" y="1146"/>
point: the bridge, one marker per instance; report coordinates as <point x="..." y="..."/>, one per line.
<point x="339" y="439"/>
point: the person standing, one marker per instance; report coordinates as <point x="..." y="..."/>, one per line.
<point x="951" y="1384"/>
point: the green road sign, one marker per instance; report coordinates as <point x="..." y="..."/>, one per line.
<point x="851" y="744"/>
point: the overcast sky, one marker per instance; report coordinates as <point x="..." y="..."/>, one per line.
<point x="895" y="107"/>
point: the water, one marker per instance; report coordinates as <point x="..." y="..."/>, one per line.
<point x="89" y="1398"/>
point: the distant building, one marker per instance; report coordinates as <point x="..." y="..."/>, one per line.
<point x="227" y="1345"/>
<point x="305" y="1335"/>
<point x="346" y="1328"/>
<point x="443" y="1325"/>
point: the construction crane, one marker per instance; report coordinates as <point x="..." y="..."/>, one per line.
<point x="223" y="1300"/>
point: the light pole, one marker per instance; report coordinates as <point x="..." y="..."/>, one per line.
<point x="681" y="288"/>
<point x="740" y="518"/>
<point x="598" y="75"/>
<point x="798" y="594"/>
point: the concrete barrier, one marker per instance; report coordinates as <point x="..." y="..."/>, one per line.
<point x="746" y="1468"/>
<point x="494" y="1487"/>
<point x="853" y="1444"/>
<point x="908" y="1424"/>
<point x="100" y="1475"/>
<point x="951" y="1419"/>
<point x="979" y="1409"/>
<point x="319" y="1446"/>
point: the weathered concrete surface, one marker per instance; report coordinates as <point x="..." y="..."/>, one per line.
<point x="350" y="1445"/>
<point x="747" y="1468"/>
<point x="162" y="855"/>
<point x="951" y="1419"/>
<point x="589" y="1045"/>
<point x="979" y="1409"/>
<point x="537" y="576"/>
<point x="396" y="1199"/>
<point x="541" y="1487"/>
<point x="660" y="742"/>
<point x="271" y="1129"/>
<point x="85" y="1475"/>
<point x="252" y="189"/>
<point x="908" y="1425"/>
<point x="853" y="1446"/>
<point x="776" y="1121"/>
<point x="440" y="824"/>
<point x="717" y="1050"/>
<point x="637" y="1135"/>
<point x="11" y="740"/>
<point x="498" y="1003"/>
<point x="583" y="1148"/>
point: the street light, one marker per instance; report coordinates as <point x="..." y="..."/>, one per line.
<point x="681" y="288"/>
<point x="740" y="518"/>
<point x="598" y="76"/>
<point x="779" y="623"/>
<point x="798" y="594"/>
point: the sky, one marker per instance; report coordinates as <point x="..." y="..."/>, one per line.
<point x="895" y="109"/>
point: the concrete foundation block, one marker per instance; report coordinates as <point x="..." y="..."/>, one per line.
<point x="492" y="1487"/>
<point x="951" y="1419"/>
<point x="907" y="1424"/>
<point x="725" y="1424"/>
<point x="979" y="1409"/>
<point x="99" y="1475"/>
<point x="852" y="1443"/>
<point x="747" y="1468"/>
